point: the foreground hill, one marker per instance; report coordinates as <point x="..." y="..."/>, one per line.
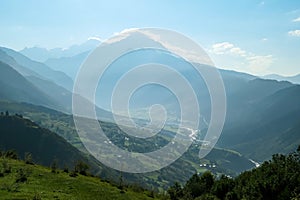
<point x="41" y="183"/>
<point x="45" y="146"/>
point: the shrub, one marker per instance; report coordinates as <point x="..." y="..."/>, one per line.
<point x="73" y="174"/>
<point x="53" y="166"/>
<point x="22" y="176"/>
<point x="6" y="168"/>
<point x="28" y="158"/>
<point x="81" y="167"/>
<point x="66" y="169"/>
<point x="37" y="196"/>
<point x="11" y="154"/>
<point x="10" y="187"/>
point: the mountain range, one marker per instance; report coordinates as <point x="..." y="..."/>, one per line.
<point x="293" y="79"/>
<point x="42" y="54"/>
<point x="262" y="115"/>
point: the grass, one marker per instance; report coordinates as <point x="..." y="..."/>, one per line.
<point x="43" y="184"/>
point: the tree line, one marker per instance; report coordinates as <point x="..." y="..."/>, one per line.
<point x="278" y="178"/>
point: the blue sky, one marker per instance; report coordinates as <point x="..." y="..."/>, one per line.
<point x="259" y="37"/>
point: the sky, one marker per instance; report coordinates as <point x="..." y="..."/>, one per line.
<point x="257" y="37"/>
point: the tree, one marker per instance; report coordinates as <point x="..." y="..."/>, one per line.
<point x="207" y="179"/>
<point x="198" y="185"/>
<point x="22" y="176"/>
<point x="207" y="196"/>
<point x="54" y="166"/>
<point x="278" y="178"/>
<point x="222" y="187"/>
<point x="193" y="186"/>
<point x="81" y="167"/>
<point x="11" y="154"/>
<point x="28" y="158"/>
<point x="175" y="191"/>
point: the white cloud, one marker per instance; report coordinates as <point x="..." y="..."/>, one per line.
<point x="95" y="38"/>
<point x="227" y="48"/>
<point x="264" y="39"/>
<point x="221" y="48"/>
<point x="245" y="60"/>
<point x="259" y="63"/>
<point x="295" y="33"/>
<point x="118" y="36"/>
<point x="126" y="31"/>
<point x="296" y="20"/>
<point x="238" y="51"/>
<point x="190" y="53"/>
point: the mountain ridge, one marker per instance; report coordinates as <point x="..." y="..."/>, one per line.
<point x="293" y="79"/>
<point x="43" y="70"/>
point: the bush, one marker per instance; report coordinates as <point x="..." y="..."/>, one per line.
<point x="53" y="166"/>
<point x="278" y="178"/>
<point x="207" y="197"/>
<point x="66" y="169"/>
<point x="6" y="168"/>
<point x="122" y="192"/>
<point x="175" y="191"/>
<point x="28" y="158"/>
<point x="37" y="196"/>
<point x="11" y="154"/>
<point x="22" y="176"/>
<point x="81" y="167"/>
<point x="137" y="188"/>
<point x="73" y="174"/>
<point x="10" y="187"/>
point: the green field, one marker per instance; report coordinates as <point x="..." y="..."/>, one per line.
<point x="42" y="183"/>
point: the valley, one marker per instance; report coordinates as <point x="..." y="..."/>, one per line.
<point x="146" y="100"/>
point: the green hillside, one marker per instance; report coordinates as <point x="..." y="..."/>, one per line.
<point x="225" y="161"/>
<point x="25" y="181"/>
<point x="45" y="146"/>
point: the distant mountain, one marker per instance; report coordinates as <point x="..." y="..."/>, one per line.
<point x="17" y="88"/>
<point x="62" y="96"/>
<point x="262" y="115"/>
<point x="293" y="79"/>
<point x="41" y="69"/>
<point x="5" y="58"/>
<point x="42" y="54"/>
<point x="68" y="65"/>
<point x="59" y="94"/>
<point x="265" y="126"/>
<point x="248" y="97"/>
